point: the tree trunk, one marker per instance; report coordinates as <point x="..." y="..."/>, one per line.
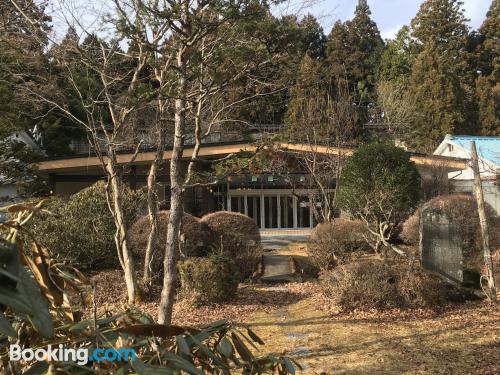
<point x="124" y="254"/>
<point x="176" y="206"/>
<point x="491" y="292"/>
<point x="152" y="210"/>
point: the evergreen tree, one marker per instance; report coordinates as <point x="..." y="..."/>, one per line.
<point x="398" y="57"/>
<point x="307" y="103"/>
<point x="488" y="67"/>
<point x="441" y="79"/>
<point x="22" y="59"/>
<point x="354" y="49"/>
<point x="313" y="38"/>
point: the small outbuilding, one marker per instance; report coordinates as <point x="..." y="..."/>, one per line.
<point x="488" y="149"/>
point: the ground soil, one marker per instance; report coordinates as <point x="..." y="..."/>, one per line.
<point x="294" y="319"/>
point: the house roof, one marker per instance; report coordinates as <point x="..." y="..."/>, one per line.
<point x="488" y="148"/>
<point x="80" y="162"/>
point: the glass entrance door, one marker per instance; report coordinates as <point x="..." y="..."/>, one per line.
<point x="280" y="211"/>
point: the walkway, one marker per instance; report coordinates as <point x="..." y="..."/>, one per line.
<point x="278" y="269"/>
<point x="280" y="239"/>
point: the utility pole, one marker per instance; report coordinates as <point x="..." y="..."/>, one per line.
<point x="491" y="293"/>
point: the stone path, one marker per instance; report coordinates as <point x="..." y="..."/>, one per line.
<point x="278" y="269"/>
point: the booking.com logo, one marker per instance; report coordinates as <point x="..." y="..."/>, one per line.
<point x="79" y="355"/>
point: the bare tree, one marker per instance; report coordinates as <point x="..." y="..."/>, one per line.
<point x="397" y="110"/>
<point x="331" y="118"/>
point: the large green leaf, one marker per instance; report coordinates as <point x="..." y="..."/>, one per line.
<point x="39" y="314"/>
<point x="5" y="326"/>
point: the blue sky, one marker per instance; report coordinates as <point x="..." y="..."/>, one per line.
<point x="389" y="15"/>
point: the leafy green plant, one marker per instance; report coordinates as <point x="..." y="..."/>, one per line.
<point x="380" y="186"/>
<point x="81" y="230"/>
<point x="36" y="310"/>
<point x="239" y="237"/>
<point x="211" y="279"/>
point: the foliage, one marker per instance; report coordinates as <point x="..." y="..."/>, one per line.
<point x="488" y="64"/>
<point x="379" y="285"/>
<point x="355" y="46"/>
<point x="335" y="243"/>
<point x="31" y="299"/>
<point x="398" y="57"/>
<point x="211" y="279"/>
<point x="81" y="231"/>
<point x="397" y="108"/>
<point x="363" y="285"/>
<point x="461" y="210"/>
<point x="16" y="166"/>
<point x="196" y="237"/>
<point x="238" y="236"/>
<point x="410" y="229"/>
<point x="441" y="80"/>
<point x="379" y="184"/>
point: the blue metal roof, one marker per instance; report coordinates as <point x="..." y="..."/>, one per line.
<point x="488" y="148"/>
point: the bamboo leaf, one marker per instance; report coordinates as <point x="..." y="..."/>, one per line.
<point x="5" y="326"/>
<point x="254" y="336"/>
<point x="241" y="348"/>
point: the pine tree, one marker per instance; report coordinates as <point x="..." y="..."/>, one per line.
<point x="313" y="39"/>
<point x="488" y="66"/>
<point x="307" y="100"/>
<point x="398" y="57"/>
<point x="441" y="79"/>
<point x="354" y="49"/>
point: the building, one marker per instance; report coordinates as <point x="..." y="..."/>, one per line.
<point x="462" y="181"/>
<point x="274" y="201"/>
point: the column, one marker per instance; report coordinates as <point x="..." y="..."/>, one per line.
<point x="295" y="200"/>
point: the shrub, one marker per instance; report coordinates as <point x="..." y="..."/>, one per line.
<point x="334" y="243"/>
<point x="380" y="285"/>
<point x="196" y="237"/>
<point x="239" y="237"/>
<point x="363" y="285"/>
<point x="380" y="184"/>
<point x="81" y="230"/>
<point x="421" y="288"/>
<point x="461" y="209"/>
<point x="211" y="279"/>
<point x="410" y="229"/>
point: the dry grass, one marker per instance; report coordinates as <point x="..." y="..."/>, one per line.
<point x="295" y="319"/>
<point x="251" y="298"/>
<point x="462" y="339"/>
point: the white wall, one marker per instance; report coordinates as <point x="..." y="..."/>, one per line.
<point x="490" y="190"/>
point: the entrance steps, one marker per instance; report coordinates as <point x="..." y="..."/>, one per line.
<point x="278" y="269"/>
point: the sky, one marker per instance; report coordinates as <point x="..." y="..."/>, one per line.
<point x="389" y="15"/>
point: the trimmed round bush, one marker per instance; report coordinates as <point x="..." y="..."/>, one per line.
<point x="81" y="230"/>
<point x="195" y="236"/>
<point x="461" y="209"/>
<point x="239" y="237"/>
<point x="379" y="183"/>
<point x="336" y="242"/>
<point x="206" y="280"/>
<point x="379" y="285"/>
<point x="410" y="229"/>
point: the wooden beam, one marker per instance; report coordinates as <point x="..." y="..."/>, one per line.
<point x="75" y="163"/>
<point x="207" y="151"/>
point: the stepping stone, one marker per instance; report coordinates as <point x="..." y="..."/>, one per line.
<point x="278" y="269"/>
